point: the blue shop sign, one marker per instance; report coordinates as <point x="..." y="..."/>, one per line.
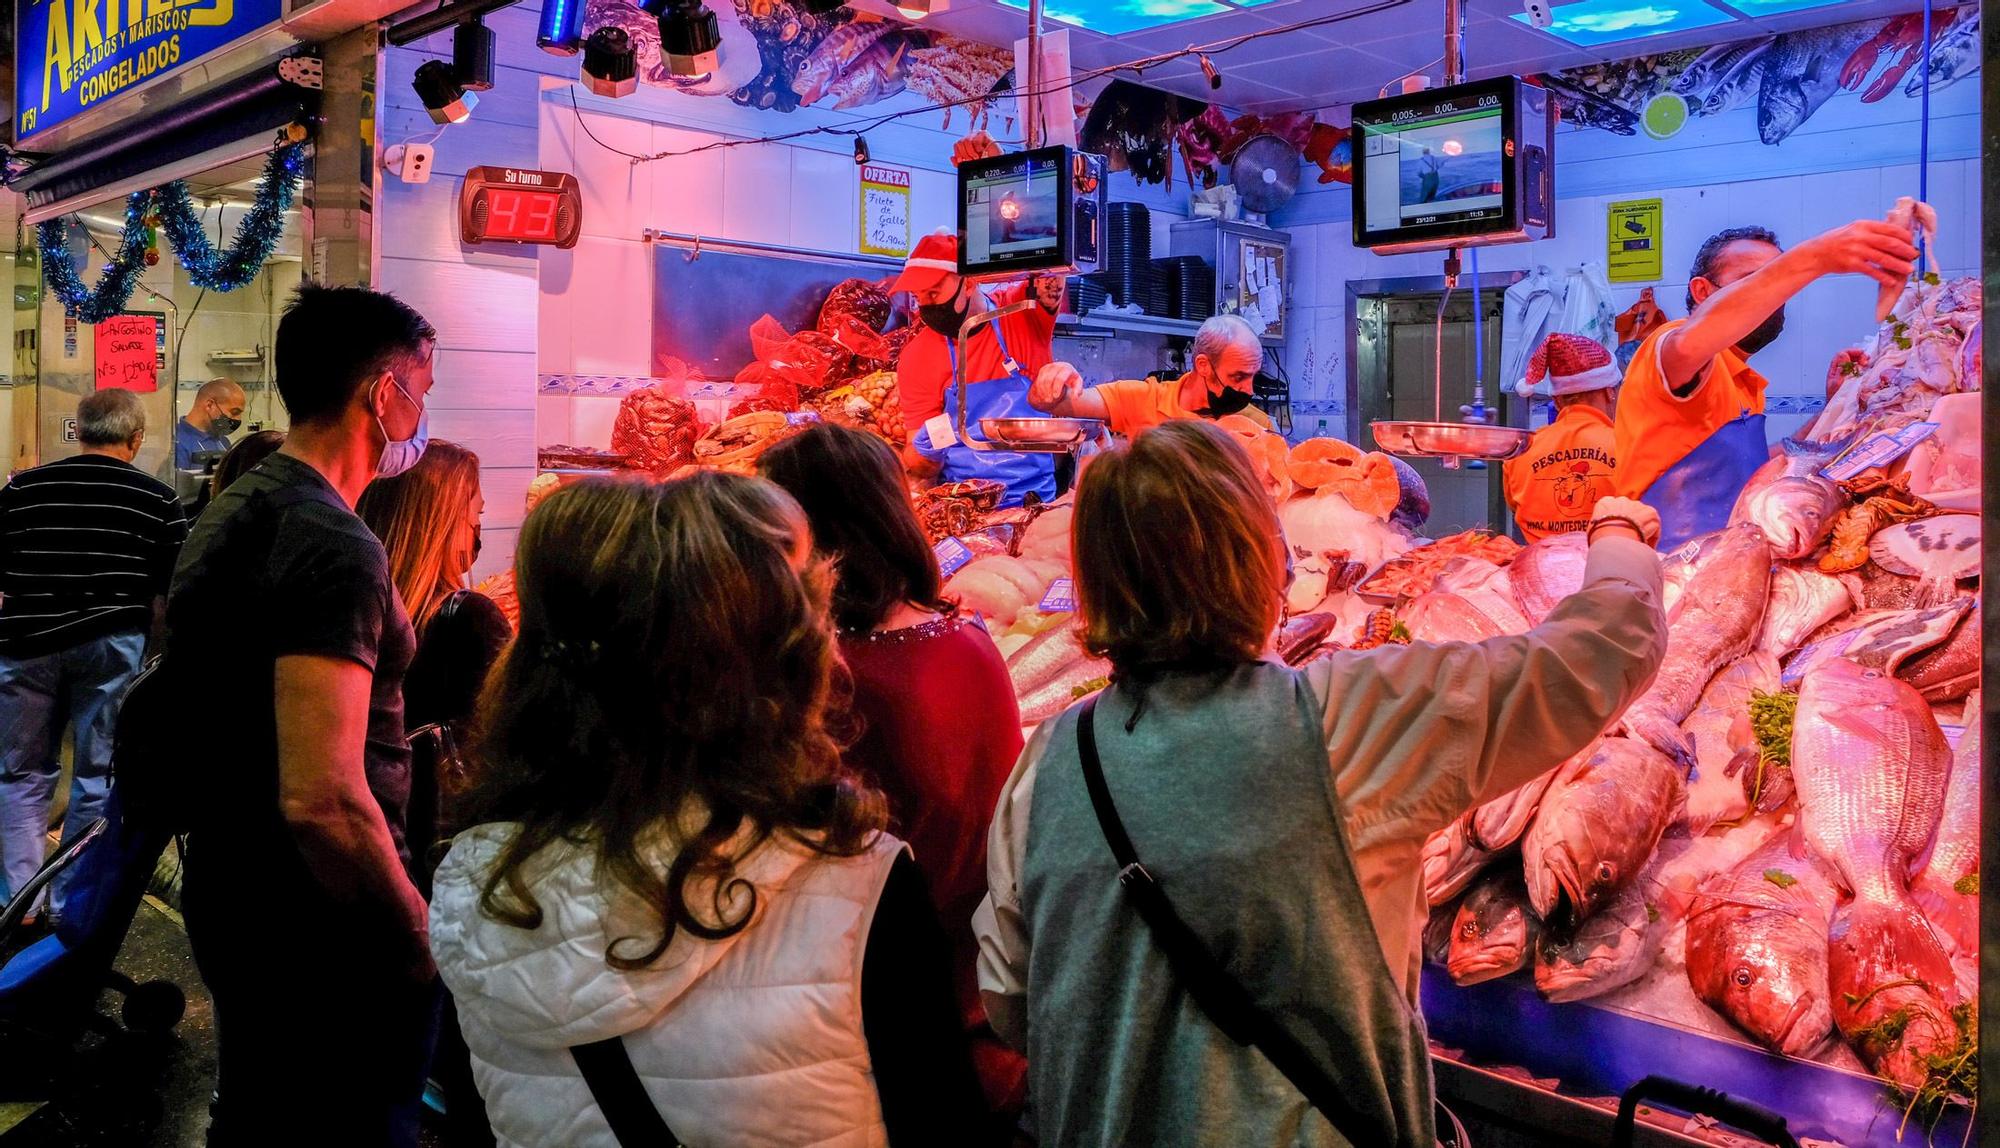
<point x="72" y="54"/>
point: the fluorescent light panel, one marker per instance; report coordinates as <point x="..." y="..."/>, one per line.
<point x="1117" y="17"/>
<point x="1592" y="22"/>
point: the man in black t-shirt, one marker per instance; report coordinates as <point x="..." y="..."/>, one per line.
<point x="304" y="920"/>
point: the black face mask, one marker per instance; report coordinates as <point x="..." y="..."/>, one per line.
<point x="944" y="318"/>
<point x="475" y="544"/>
<point x="1228" y="402"/>
<point x="1764" y="333"/>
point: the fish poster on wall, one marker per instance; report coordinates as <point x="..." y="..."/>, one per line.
<point x="777" y="56"/>
<point x="1785" y="78"/>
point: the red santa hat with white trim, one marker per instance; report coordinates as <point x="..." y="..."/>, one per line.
<point x="1571" y="364"/>
<point x="933" y="258"/>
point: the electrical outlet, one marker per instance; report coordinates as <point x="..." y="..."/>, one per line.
<point x="411" y="162"/>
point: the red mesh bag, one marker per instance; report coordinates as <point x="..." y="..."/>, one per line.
<point x="656" y="430"/>
<point x="854" y="303"/>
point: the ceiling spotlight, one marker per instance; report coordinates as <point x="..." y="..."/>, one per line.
<point x="1209" y="70"/>
<point x="610" y="65"/>
<point x="860" y="150"/>
<point x="821" y="7"/>
<point x="444" y="97"/>
<point x="690" y="36"/>
<point x="918" y="9"/>
<point x="560" y="32"/>
<point x="472" y="55"/>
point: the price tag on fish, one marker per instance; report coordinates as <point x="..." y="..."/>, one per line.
<point x="951" y="554"/>
<point x="1881" y="450"/>
<point x="1061" y="598"/>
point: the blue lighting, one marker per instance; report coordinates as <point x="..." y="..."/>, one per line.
<point x="1117" y="17"/>
<point x="1755" y="8"/>
<point x="1615" y="21"/>
<point x="561" y="29"/>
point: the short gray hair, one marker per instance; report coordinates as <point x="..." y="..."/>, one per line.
<point x="1223" y="332"/>
<point x="109" y="418"/>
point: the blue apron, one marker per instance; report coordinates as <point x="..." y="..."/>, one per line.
<point x="1696" y="494"/>
<point x="1004" y="397"/>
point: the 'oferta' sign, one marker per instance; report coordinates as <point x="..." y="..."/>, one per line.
<point x="72" y="54"/>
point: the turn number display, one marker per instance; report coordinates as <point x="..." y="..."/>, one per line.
<point x="515" y="205"/>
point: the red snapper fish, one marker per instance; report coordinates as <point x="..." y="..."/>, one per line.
<point x="1719" y="732"/>
<point x="1789" y="500"/>
<point x="1597" y="826"/>
<point x="1947" y="887"/>
<point x="1714" y="622"/>
<point x="1493" y="933"/>
<point x="1757" y="947"/>
<point x="1871" y="768"/>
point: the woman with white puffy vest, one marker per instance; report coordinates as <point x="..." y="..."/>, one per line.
<point x="679" y="917"/>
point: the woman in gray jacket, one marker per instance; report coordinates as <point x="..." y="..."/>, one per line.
<point x="1282" y="812"/>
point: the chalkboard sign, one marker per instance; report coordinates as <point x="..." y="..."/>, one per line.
<point x="127" y="354"/>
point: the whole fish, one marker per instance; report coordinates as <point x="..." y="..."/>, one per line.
<point x="1678" y="565"/>
<point x="1500" y="822"/>
<point x="1947" y="887"/>
<point x="1954" y="56"/>
<point x="1802" y="600"/>
<point x="1442" y="616"/>
<point x="835" y="56"/>
<point x="1801" y="71"/>
<point x="1615" y="947"/>
<point x="1871" y="767"/>
<point x="1450" y="861"/>
<point x="1596" y="827"/>
<point x="1487" y="588"/>
<point x="1757" y="948"/>
<point x="1719" y="730"/>
<point x="1493" y="934"/>
<point x="1790" y="501"/>
<point x="1950" y="670"/>
<point x="1736" y="89"/>
<point x="875" y="75"/>
<point x="1043" y="657"/>
<point x="1546" y="571"/>
<point x="1879" y="639"/>
<point x="1714" y="621"/>
<point x="1713" y="66"/>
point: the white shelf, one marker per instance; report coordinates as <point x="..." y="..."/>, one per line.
<point x="1141" y="324"/>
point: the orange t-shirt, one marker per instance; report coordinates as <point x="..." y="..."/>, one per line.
<point x="1133" y="405"/>
<point x="1656" y="428"/>
<point x="924" y="370"/>
<point x="1567" y="467"/>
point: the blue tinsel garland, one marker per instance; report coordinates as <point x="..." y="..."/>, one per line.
<point x="256" y="236"/>
<point x="114" y="283"/>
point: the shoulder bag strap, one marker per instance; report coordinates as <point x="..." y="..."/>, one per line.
<point x="1221" y="996"/>
<point x="614" y="1084"/>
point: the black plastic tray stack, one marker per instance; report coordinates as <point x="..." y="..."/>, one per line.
<point x="1127" y="273"/>
<point x="1086" y="294"/>
<point x="1187" y="288"/>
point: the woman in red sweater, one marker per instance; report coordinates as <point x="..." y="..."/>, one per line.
<point x="938" y="730"/>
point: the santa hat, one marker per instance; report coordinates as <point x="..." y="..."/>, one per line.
<point x="1571" y="364"/>
<point x="933" y="258"/>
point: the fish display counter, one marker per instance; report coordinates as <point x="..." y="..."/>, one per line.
<point x="1764" y="877"/>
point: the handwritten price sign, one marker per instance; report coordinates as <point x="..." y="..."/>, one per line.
<point x="885" y="211"/>
<point x="127" y="353"/>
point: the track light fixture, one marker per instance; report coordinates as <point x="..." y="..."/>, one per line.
<point x="690" y="36"/>
<point x="472" y="55"/>
<point x="444" y="97"/>
<point x="1210" y="71"/>
<point x="821" y="7"/>
<point x="860" y="150"/>
<point x="610" y="64"/>
<point x="560" y="32"/>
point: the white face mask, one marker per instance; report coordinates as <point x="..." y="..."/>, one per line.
<point x="398" y="457"/>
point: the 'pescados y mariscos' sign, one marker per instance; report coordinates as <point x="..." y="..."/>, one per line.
<point x="73" y="54"/>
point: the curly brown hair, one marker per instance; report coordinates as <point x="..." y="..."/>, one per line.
<point x="673" y="676"/>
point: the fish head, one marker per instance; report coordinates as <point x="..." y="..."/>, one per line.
<point x="1597" y="955"/>
<point x="1842" y="691"/>
<point x="1764" y="969"/>
<point x="1780" y="108"/>
<point x="1492" y="933"/>
<point x="1597" y="827"/>
<point x="1889" y="974"/>
<point x="1795" y="514"/>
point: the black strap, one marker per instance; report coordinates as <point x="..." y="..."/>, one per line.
<point x="1219" y="994"/>
<point x="614" y="1084"/>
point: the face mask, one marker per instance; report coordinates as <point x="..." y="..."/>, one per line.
<point x="398" y="457"/>
<point x="1764" y="333"/>
<point x="944" y="318"/>
<point x="475" y="544"/>
<point x="1228" y="402"/>
<point x="223" y="424"/>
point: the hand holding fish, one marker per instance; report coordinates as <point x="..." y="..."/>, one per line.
<point x="1620" y="514"/>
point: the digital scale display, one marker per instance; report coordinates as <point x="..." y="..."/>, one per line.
<point x="1456" y="166"/>
<point x="515" y="205"/>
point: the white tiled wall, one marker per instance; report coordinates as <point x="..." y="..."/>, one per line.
<point x="1827" y="316"/>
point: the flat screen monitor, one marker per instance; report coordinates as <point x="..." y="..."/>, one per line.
<point x="1031" y="211"/>
<point x="1456" y="166"/>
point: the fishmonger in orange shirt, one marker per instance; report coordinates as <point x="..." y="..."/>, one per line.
<point x="1226" y="356"/>
<point x="1554" y="486"/>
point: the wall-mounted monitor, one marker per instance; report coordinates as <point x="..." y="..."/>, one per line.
<point x="1458" y="166"/>
<point x="1039" y="211"/>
